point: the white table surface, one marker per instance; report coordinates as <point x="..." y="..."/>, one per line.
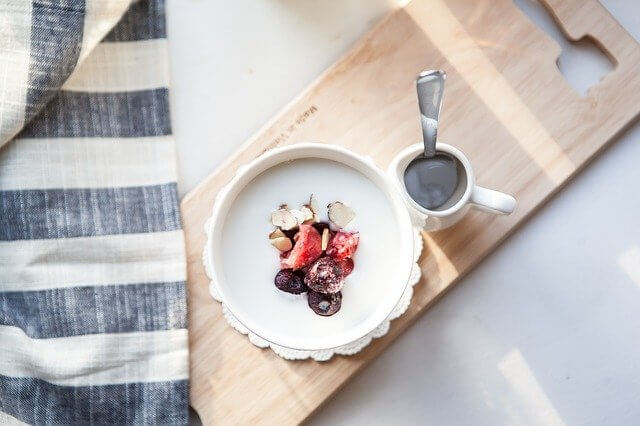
<point x="545" y="331"/>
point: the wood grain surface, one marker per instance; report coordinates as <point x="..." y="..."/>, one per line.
<point x="525" y="130"/>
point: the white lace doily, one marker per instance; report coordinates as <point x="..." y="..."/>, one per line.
<point x="323" y="355"/>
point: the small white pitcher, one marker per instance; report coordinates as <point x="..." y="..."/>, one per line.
<point x="466" y="195"/>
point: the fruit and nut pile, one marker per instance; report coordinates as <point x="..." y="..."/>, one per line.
<point x="315" y="256"/>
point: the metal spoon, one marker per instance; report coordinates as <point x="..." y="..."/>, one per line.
<point x="430" y="87"/>
<point x="432" y="178"/>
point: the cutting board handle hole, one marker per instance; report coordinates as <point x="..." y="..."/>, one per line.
<point x="583" y="63"/>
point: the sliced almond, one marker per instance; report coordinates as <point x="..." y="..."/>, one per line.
<point x="340" y="214"/>
<point x="282" y="243"/>
<point x="313" y="205"/>
<point x="277" y="233"/>
<point x="284" y="219"/>
<point x="298" y="215"/>
<point x="308" y="214"/>
<point x="325" y="238"/>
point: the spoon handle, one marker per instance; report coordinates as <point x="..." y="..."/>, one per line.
<point x="430" y="87"/>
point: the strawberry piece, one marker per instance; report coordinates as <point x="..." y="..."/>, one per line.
<point x="343" y="245"/>
<point x="307" y="248"/>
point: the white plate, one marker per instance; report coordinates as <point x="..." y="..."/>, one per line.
<point x="244" y="263"/>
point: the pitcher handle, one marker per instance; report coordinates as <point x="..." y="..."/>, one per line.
<point x="492" y="201"/>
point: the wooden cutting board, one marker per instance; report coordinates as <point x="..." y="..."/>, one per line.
<point x="526" y="131"/>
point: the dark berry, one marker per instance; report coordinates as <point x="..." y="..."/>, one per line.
<point x="325" y="276"/>
<point x="290" y="281"/>
<point x="324" y="304"/>
<point x="321" y="226"/>
<point x="346" y="265"/>
<point x="291" y="233"/>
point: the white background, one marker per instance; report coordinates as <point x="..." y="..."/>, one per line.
<point x="545" y="331"/>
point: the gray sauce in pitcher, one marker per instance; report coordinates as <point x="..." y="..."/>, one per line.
<point x="431" y="182"/>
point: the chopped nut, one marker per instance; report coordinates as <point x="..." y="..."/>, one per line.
<point x="313" y="205"/>
<point x="276" y="233"/>
<point x="340" y="214"/>
<point x="282" y="243"/>
<point x="284" y="219"/>
<point x="326" y="234"/>
<point x="298" y="215"/>
<point x="308" y="214"/>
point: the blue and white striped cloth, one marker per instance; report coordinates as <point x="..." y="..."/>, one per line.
<point x="92" y="262"/>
